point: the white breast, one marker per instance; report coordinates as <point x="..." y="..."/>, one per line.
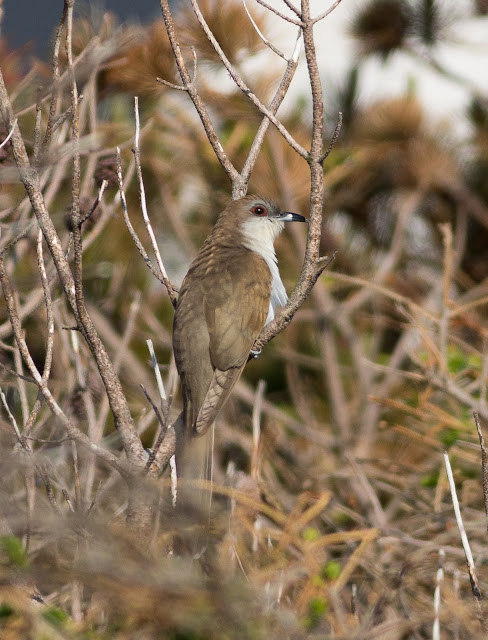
<point x="259" y="235"/>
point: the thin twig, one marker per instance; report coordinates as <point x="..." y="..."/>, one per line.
<point x="142" y="196"/>
<point x="37" y="129"/>
<point x="239" y="187"/>
<point x="71" y="429"/>
<point x="334" y="138"/>
<point x="128" y="223"/>
<point x="10" y="416"/>
<point x="326" y="13"/>
<point x="157" y="372"/>
<point x="196" y="99"/>
<point x="24" y="403"/>
<point x="242" y="85"/>
<point x="260" y="34"/>
<point x="292" y="7"/>
<point x="67" y="114"/>
<point x="50" y="334"/>
<point x="464" y="538"/>
<point x="94" y="206"/>
<point x="484" y="463"/>
<point x="437" y="595"/>
<point x="55" y="82"/>
<point x="281" y="15"/>
<point x="23" y="234"/>
<point x="9" y="134"/>
<point x="162" y="419"/>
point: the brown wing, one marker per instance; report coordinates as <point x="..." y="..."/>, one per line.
<point x="235" y="315"/>
<point x="237" y="310"/>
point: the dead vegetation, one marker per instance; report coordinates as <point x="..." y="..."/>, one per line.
<point x="332" y="514"/>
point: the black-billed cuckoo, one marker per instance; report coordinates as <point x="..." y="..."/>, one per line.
<point x="228" y="295"/>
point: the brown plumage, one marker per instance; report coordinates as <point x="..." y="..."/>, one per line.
<point x="226" y="298"/>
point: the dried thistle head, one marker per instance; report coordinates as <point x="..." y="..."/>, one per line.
<point x="382" y="26"/>
<point x="147" y="55"/>
<point x="232" y="29"/>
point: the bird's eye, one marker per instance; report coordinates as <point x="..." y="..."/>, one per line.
<point x="259" y="210"/>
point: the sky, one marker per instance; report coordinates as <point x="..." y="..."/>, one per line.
<point x="35" y="20"/>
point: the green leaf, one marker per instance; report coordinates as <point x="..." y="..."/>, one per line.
<point x="56" y="616"/>
<point x="430" y="480"/>
<point x="449" y="436"/>
<point x="15" y="551"/>
<point x="5" y="610"/>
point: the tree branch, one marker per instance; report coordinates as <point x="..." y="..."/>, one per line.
<point x="242" y="85"/>
<point x="189" y="85"/>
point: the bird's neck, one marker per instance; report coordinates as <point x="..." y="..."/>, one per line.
<point x="259" y="236"/>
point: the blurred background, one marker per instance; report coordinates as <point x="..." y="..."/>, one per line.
<point x="377" y="375"/>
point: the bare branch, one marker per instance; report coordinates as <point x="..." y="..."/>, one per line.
<point x="171" y="85"/>
<point x="326" y="13"/>
<point x="313" y="265"/>
<point x="163" y="421"/>
<point x="258" y="31"/>
<point x="292" y="7"/>
<point x="50" y="334"/>
<point x="437" y="595"/>
<point x="11" y="417"/>
<point x="31" y="182"/>
<point x="55" y="89"/>
<point x="242" y="85"/>
<point x="192" y="92"/>
<point x="473" y="578"/>
<point x="484" y="463"/>
<point x="334" y="138"/>
<point x="282" y="15"/>
<point x="298" y="297"/>
<point x="19" y="236"/>
<point x="73" y="432"/>
<point x="181" y="87"/>
<point x="240" y="187"/>
<point x="94" y="206"/>
<point x="128" y="224"/>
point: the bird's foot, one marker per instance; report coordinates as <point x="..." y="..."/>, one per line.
<point x="255" y="354"/>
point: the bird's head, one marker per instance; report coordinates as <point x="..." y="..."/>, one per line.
<point x="259" y="217"/>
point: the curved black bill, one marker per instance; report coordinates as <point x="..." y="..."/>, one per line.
<point x="287" y="216"/>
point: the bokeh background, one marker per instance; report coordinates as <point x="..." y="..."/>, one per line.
<point x="348" y="512"/>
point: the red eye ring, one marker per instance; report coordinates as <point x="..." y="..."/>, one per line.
<point x="259" y="210"/>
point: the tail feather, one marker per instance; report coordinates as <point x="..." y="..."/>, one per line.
<point x="219" y="390"/>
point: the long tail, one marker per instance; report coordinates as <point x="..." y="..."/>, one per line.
<point x="194" y="463"/>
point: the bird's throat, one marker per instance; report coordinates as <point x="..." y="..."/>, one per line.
<point x="259" y="236"/>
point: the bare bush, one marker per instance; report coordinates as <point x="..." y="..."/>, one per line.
<point x="331" y="504"/>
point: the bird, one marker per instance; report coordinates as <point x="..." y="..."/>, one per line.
<point x="231" y="291"/>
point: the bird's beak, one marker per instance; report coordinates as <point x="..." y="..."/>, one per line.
<point x="286" y="216"/>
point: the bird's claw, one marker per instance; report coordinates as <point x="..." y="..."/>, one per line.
<point x="255" y="354"/>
